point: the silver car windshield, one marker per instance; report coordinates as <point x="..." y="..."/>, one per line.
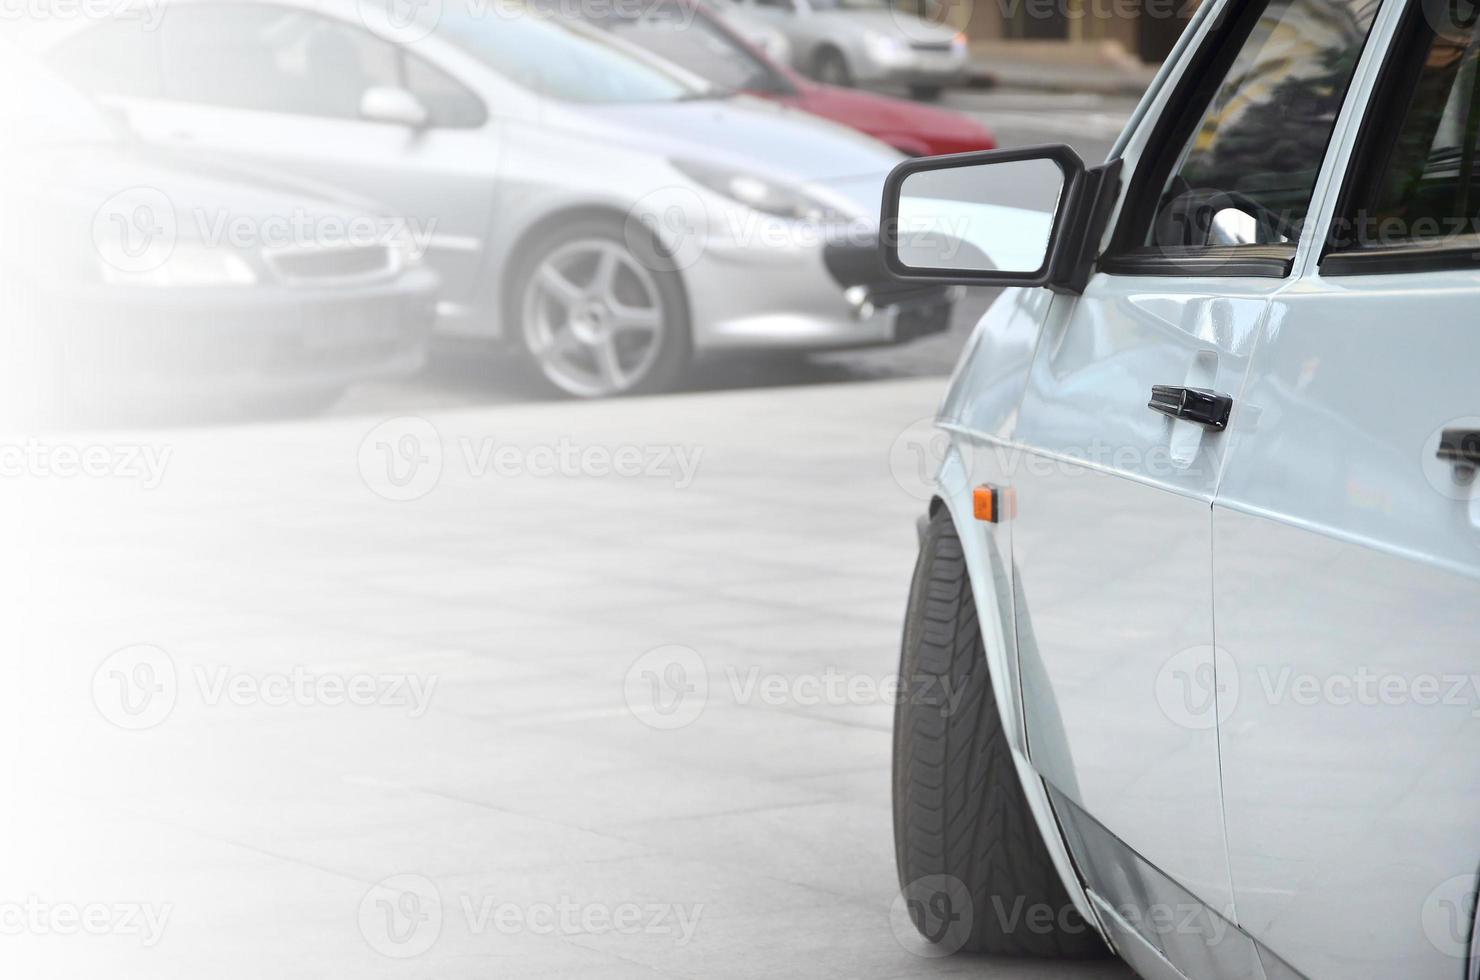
<point x="564" y="59"/>
<point x="37" y="108"/>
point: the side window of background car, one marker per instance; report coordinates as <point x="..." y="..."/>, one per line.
<point x="116" y="57"/>
<point x="1413" y="202"/>
<point x="272" y="59"/>
<point x="1235" y="165"/>
<point x="448" y="102"/>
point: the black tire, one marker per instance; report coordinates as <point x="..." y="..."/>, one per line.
<point x="831" y="67"/>
<point x="959" y="808"/>
<point x="925" y="93"/>
<point x="677" y="346"/>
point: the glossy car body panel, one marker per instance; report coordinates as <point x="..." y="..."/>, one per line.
<point x="1306" y="581"/>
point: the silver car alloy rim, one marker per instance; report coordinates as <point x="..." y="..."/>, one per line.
<point x="593" y="318"/>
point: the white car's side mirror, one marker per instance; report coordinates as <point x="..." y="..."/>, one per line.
<point x="388" y="104"/>
<point x="1020" y="217"/>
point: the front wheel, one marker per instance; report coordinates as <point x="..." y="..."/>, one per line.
<point x="595" y="320"/>
<point x="972" y="864"/>
<point x="831" y="68"/>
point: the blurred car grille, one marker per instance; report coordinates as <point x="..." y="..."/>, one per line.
<point x="854" y="265"/>
<point x="336" y="264"/>
<point x="931" y="45"/>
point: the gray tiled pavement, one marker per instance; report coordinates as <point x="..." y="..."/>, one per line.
<point x="540" y="792"/>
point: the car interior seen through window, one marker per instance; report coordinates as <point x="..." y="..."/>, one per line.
<point x="1245" y="169"/>
<point x="1420" y="186"/>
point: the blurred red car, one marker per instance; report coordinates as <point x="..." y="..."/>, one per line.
<point x="694" y="38"/>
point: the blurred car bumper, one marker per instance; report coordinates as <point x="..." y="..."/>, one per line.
<point x="943" y="68"/>
<point x="829" y="297"/>
<point x="232" y="342"/>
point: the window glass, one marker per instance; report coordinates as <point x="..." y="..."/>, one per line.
<point x="1428" y="188"/>
<point x="693" y="42"/>
<point x="117" y="57"/>
<point x="563" y="59"/>
<point x="450" y="103"/>
<point x="1246" y="172"/>
<point x="273" y="59"/>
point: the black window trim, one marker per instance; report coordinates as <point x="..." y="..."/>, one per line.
<point x="1392" y="97"/>
<point x="1205" y="71"/>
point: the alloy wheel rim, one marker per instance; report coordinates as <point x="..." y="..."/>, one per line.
<point x="593" y="318"/>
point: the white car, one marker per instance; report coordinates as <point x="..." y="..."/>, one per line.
<point x="1190" y="667"/>
<point x="600" y="211"/>
<point x="865" y="42"/>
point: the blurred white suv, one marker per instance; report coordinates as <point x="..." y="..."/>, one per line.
<point x="1191" y="664"/>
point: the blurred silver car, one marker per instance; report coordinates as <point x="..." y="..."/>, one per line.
<point x="134" y="279"/>
<point x="865" y="42"/>
<point x="600" y="209"/>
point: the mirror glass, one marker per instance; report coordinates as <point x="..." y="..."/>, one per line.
<point x="986" y="217"/>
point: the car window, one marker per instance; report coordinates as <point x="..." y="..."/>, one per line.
<point x="272" y="59"/>
<point x="449" y="103"/>
<point x="693" y="42"/>
<point x="115" y="57"/>
<point x="1425" y="187"/>
<point x="563" y="58"/>
<point x="1242" y="166"/>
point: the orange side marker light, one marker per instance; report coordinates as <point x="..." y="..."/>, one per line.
<point x="993" y="505"/>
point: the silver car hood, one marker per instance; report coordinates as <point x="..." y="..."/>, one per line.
<point x="746" y="133"/>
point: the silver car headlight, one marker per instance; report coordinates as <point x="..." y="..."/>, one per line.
<point x="760" y="193"/>
<point x="187" y="264"/>
<point x="886" y="48"/>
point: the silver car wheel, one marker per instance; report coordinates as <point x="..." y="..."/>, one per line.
<point x="593" y="318"/>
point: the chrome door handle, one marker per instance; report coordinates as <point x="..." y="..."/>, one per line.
<point x="1201" y="405"/>
<point x="1460" y="446"/>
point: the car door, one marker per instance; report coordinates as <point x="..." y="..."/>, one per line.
<point x="283" y="87"/>
<point x="1113" y="535"/>
<point x="1347" y="550"/>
